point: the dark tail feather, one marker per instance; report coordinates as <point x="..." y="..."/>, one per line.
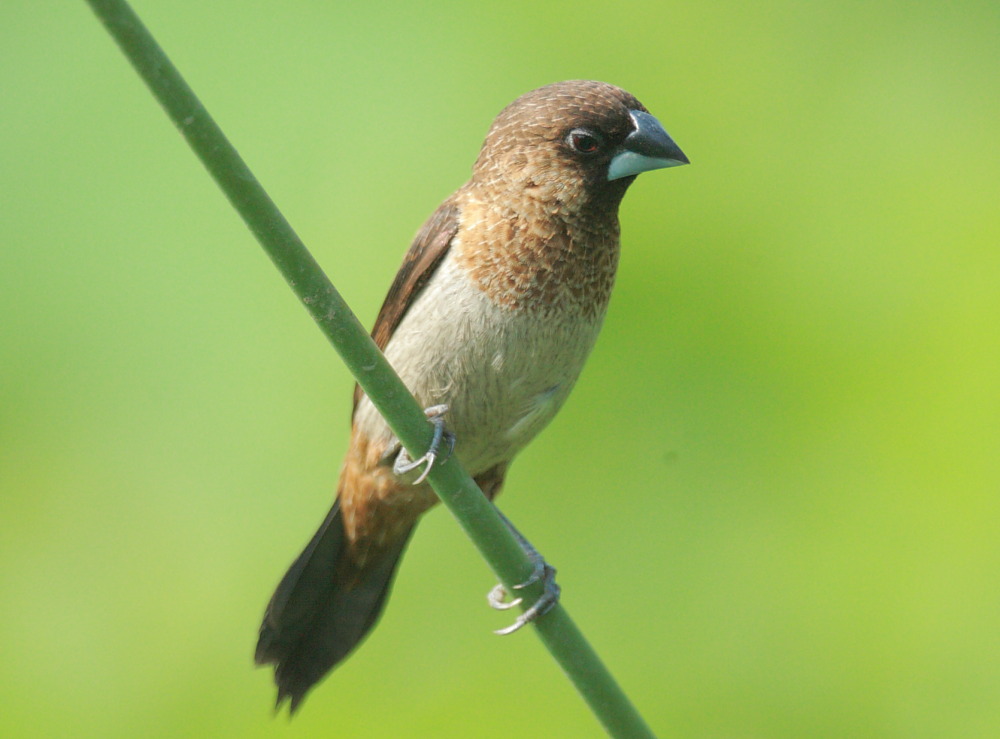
<point x="323" y="607"/>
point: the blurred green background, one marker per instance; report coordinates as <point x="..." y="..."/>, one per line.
<point x="772" y="499"/>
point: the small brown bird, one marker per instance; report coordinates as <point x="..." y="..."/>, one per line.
<point x="491" y="317"/>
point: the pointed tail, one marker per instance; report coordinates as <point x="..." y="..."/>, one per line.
<point x="323" y="607"/>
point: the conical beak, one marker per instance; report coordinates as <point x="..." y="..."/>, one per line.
<point x="647" y="147"/>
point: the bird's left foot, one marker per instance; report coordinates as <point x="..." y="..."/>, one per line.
<point x="403" y="463"/>
<point x="544" y="572"/>
<point x="497" y="597"/>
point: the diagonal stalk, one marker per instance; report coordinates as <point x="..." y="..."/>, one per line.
<point x="450" y="481"/>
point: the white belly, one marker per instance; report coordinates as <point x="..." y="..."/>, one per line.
<point x="503" y="372"/>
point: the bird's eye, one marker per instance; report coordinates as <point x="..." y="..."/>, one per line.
<point x="583" y="141"/>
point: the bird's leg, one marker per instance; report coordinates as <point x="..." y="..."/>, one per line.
<point x="403" y="463"/>
<point x="543" y="571"/>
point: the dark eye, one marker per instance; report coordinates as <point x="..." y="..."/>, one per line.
<point x="583" y="141"/>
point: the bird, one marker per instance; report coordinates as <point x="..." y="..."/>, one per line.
<point x="488" y="322"/>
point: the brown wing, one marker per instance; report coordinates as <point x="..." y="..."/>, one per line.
<point x="421" y="261"/>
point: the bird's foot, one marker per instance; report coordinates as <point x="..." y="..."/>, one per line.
<point x="403" y="463"/>
<point x="544" y="572"/>
<point x="497" y="598"/>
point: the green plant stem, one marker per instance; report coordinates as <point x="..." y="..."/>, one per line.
<point x="452" y="483"/>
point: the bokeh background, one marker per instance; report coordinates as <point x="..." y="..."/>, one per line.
<point x="772" y="499"/>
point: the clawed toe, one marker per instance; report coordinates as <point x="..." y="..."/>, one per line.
<point x="497" y="597"/>
<point x="403" y="463"/>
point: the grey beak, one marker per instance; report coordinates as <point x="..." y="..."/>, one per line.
<point x="647" y="147"/>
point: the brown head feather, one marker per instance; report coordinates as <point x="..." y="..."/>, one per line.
<point x="540" y="220"/>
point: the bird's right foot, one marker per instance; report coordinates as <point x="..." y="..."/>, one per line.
<point x="403" y="463"/>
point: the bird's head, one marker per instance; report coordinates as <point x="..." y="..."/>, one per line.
<point x="575" y="145"/>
